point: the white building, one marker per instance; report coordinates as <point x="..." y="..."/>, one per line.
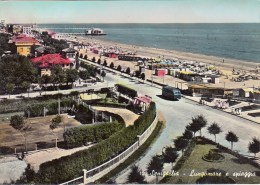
<point x="27" y="30"/>
<point x="57" y="36"/>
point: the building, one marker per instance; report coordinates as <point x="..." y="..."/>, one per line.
<point x="57" y="36"/>
<point x="200" y="90"/>
<point x="27" y="30"/>
<point x="46" y="62"/>
<point x="24" y="44"/>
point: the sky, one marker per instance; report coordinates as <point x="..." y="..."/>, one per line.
<point x="107" y="11"/>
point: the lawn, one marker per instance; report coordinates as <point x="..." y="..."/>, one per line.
<point x="195" y="163"/>
<point x="40" y="134"/>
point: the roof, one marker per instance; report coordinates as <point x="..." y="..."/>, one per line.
<point x="49" y="60"/>
<point x="248" y="90"/>
<point x="23" y="39"/>
<point x="144" y="99"/>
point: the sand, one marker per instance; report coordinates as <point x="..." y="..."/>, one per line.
<point x="173" y="54"/>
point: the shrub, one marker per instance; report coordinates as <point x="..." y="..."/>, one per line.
<point x="81" y="135"/>
<point x="126" y="90"/>
<point x="69" y="167"/>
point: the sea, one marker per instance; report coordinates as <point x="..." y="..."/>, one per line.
<point x="236" y="41"/>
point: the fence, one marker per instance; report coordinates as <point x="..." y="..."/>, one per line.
<point x="99" y="171"/>
<point x="8" y="150"/>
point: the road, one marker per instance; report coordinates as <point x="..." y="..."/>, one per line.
<point x="179" y="113"/>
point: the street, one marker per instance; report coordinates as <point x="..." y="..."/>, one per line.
<point x="179" y="113"/>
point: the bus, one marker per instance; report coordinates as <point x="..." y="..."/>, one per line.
<point x="171" y="92"/>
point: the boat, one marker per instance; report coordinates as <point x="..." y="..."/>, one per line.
<point x="95" y="32"/>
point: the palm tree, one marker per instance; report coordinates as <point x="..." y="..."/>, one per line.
<point x="155" y="166"/>
<point x="181" y="143"/>
<point x="214" y="129"/>
<point x="254" y="146"/>
<point x="170" y="155"/>
<point x="135" y="176"/>
<point x="231" y="137"/>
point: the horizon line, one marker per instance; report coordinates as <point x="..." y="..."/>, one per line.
<point x="141" y="23"/>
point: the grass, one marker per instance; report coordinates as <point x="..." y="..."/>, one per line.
<point x="135" y="156"/>
<point x="231" y="164"/>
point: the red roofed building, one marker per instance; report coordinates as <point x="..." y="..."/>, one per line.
<point x="24" y="44"/>
<point x="142" y="102"/>
<point x="46" y="62"/>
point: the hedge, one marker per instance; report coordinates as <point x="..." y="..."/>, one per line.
<point x="81" y="135"/>
<point x="70" y="167"/>
<point x="36" y="110"/>
<point x="126" y="90"/>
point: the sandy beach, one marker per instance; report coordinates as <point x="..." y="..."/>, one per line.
<point x="245" y="67"/>
<point x="228" y="64"/>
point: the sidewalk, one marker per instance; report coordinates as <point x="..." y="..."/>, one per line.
<point x="228" y="110"/>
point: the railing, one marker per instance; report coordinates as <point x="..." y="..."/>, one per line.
<point x="78" y="180"/>
<point x="99" y="171"/>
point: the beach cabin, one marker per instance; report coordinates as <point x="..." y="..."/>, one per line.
<point x="160" y="72"/>
<point x="142" y="102"/>
<point x="215" y="79"/>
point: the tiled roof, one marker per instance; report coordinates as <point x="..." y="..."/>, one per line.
<point x="49" y="60"/>
<point x="23" y="39"/>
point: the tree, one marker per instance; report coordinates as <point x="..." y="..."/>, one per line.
<point x="55" y="122"/>
<point x="105" y="63"/>
<point x="9" y="88"/>
<point x="119" y="68"/>
<point x="84" y="74"/>
<point x="111" y="65"/>
<point x="155" y="166"/>
<point x="187" y="134"/>
<point x="201" y="121"/>
<point x="57" y="75"/>
<point x="93" y="59"/>
<point x="231" y="137"/>
<point x="103" y="74"/>
<point x="26" y="85"/>
<point x="45" y="79"/>
<point x="214" y="129"/>
<point x="72" y="75"/>
<point x="193" y="127"/>
<point x="99" y="61"/>
<point x="254" y="146"/>
<point x="137" y="74"/>
<point x="170" y="155"/>
<point x="143" y="76"/>
<point x="135" y="176"/>
<point x="180" y="143"/>
<point x="128" y="71"/>
<point x="18" y="123"/>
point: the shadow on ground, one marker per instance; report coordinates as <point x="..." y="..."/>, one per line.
<point x="165" y="98"/>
